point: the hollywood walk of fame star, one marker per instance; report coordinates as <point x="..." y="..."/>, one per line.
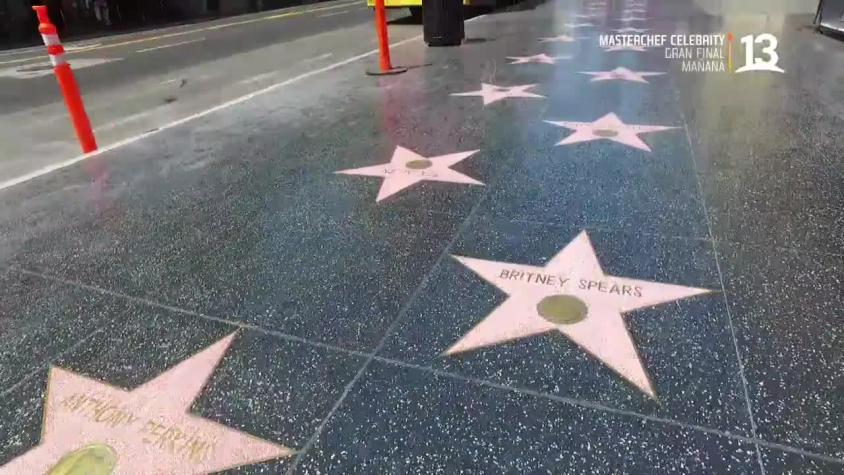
<point x="93" y="427"/>
<point x="629" y="19"/>
<point x="492" y="93"/>
<point x="408" y="168"/>
<point x="621" y="74"/>
<point x="630" y="29"/>
<point x="572" y="295"/>
<point x="608" y="127"/>
<point x="625" y="47"/>
<point x="558" y="39"/>
<point x="578" y="25"/>
<point x="537" y="58"/>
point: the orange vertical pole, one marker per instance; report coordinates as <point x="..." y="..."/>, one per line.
<point x="67" y="82"/>
<point x="383" y="41"/>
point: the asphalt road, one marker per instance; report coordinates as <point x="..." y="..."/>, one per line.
<point x="136" y="82"/>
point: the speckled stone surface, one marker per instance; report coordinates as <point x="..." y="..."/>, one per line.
<point x="42" y="319"/>
<point x="408" y="421"/>
<point x="788" y="314"/>
<point x="272" y="389"/>
<point x="129" y="263"/>
<point x="686" y="346"/>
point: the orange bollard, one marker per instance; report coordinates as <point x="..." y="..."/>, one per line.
<point x="67" y="83"/>
<point x="383" y="43"/>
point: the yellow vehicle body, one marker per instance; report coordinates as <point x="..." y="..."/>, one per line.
<point x="411" y="3"/>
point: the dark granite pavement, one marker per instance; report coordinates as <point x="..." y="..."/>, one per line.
<point x="631" y="301"/>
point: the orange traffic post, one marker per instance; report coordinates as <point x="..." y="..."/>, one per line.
<point x="386" y="66"/>
<point x="67" y="83"/>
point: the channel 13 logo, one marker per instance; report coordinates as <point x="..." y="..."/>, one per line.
<point x="767" y="58"/>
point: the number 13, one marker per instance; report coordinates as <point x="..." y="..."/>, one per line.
<point x="751" y="63"/>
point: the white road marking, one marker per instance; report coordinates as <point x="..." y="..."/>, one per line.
<point x="122" y="121"/>
<point x="81" y="47"/>
<point x="127" y="141"/>
<point x="45" y="68"/>
<point x="22" y="60"/>
<point x="198" y="30"/>
<point x="257" y="78"/>
<point x="317" y="58"/>
<point x="170" y="45"/>
<point x="21" y="51"/>
<point x="324" y="15"/>
<point x="225" y="105"/>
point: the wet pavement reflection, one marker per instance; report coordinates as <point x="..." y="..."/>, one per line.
<point x="536" y="253"/>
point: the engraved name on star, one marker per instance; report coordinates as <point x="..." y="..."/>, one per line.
<point x="608" y="127"/>
<point x="93" y="427"/>
<point x="408" y="168"/>
<point x="621" y="74"/>
<point x="571" y="295"/>
<point x="537" y="58"/>
<point x="492" y="93"/>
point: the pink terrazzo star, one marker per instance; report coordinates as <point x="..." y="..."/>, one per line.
<point x="570" y="295"/>
<point x="492" y="93"/>
<point x="630" y="29"/>
<point x="629" y="19"/>
<point x="621" y="74"/>
<point x="145" y="430"/>
<point x="537" y="58"/>
<point x="408" y="168"/>
<point x="558" y="39"/>
<point x="609" y="127"/>
<point x="625" y="47"/>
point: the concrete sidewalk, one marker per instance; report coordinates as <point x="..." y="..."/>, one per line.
<point x="516" y="257"/>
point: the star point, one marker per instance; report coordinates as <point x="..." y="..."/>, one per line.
<point x="625" y="47"/>
<point x="630" y="29"/>
<point x="608" y="127"/>
<point x="491" y="93"/>
<point x="407" y="168"/>
<point x="558" y="39"/>
<point x="621" y="74"/>
<point x="630" y="19"/>
<point x="145" y="430"/>
<point x="578" y="25"/>
<point x="570" y="295"/>
<point x="537" y="58"/>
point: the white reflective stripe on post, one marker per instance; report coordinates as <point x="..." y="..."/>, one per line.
<point x="51" y="40"/>
<point x="57" y="60"/>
